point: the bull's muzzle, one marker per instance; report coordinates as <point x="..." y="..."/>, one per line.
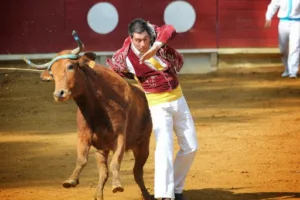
<point x="62" y="95"/>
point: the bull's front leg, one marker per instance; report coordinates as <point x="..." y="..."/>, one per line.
<point x="115" y="163"/>
<point x="83" y="147"/>
<point x="101" y="158"/>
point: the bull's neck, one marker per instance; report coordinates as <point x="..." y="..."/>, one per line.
<point x="91" y="103"/>
<point x="87" y="102"/>
<point x="91" y="83"/>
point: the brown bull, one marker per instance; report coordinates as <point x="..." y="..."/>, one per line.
<point x="112" y="115"/>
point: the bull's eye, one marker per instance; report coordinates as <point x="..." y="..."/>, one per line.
<point x="70" y="67"/>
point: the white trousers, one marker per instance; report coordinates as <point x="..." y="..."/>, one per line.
<point x="169" y="177"/>
<point x="289" y="45"/>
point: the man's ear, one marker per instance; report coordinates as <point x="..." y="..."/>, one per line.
<point x="46" y="76"/>
<point x="90" y="55"/>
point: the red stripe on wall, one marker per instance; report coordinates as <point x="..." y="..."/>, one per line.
<point x="202" y="35"/>
<point x="36" y="26"/>
<point x="241" y="24"/>
<point x="32" y="26"/>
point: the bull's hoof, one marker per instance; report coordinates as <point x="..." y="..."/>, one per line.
<point x="117" y="188"/>
<point x="98" y="198"/>
<point x="148" y="197"/>
<point x="70" y="183"/>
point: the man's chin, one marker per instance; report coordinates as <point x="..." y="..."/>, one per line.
<point x="142" y="52"/>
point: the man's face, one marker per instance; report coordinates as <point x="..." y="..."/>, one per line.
<point x="141" y="41"/>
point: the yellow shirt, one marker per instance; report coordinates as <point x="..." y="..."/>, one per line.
<point x="162" y="97"/>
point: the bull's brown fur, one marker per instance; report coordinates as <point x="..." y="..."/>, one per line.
<point x="112" y="115"/>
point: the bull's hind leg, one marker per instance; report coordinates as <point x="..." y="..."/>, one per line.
<point x="83" y="148"/>
<point x="115" y="164"/>
<point x="101" y="158"/>
<point x="141" y="154"/>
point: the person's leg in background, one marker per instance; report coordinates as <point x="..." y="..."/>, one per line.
<point x="294" y="48"/>
<point x="283" y="40"/>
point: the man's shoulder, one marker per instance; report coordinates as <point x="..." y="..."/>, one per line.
<point x="122" y="52"/>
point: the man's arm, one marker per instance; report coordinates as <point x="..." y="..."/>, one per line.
<point x="122" y="73"/>
<point x="163" y="35"/>
<point x="118" y="63"/>
<point x="271" y="10"/>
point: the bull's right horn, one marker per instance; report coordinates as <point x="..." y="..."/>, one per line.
<point x="80" y="44"/>
<point x="36" y="66"/>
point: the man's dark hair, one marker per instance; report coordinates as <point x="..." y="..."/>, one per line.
<point x="138" y="26"/>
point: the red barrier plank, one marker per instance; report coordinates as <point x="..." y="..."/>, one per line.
<point x="241" y="24"/>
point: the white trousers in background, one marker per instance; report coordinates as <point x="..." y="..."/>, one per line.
<point x="169" y="177"/>
<point x="289" y="44"/>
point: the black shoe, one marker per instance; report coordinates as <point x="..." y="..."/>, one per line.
<point x="179" y="196"/>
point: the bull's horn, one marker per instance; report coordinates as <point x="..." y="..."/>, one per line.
<point x="80" y="44"/>
<point x="42" y="66"/>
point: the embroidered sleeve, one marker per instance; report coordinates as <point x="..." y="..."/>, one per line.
<point x="118" y="62"/>
<point x="119" y="65"/>
<point x="164" y="33"/>
<point x="173" y="58"/>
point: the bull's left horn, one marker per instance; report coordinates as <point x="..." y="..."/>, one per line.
<point x="36" y="66"/>
<point x="80" y="44"/>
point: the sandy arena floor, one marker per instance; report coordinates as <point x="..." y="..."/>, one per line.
<point x="248" y="126"/>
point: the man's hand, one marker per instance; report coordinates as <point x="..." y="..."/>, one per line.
<point x="267" y="23"/>
<point x="150" y="53"/>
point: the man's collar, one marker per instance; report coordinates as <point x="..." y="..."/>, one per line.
<point x="135" y="51"/>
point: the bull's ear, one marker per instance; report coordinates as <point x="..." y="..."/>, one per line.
<point x="90" y="55"/>
<point x="46" y="76"/>
<point x="86" y="61"/>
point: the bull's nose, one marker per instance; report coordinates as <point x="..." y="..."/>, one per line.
<point x="60" y="94"/>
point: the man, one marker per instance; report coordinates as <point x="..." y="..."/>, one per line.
<point x="289" y="33"/>
<point x="146" y="57"/>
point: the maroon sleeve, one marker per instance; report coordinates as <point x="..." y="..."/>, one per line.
<point x="118" y="61"/>
<point x="164" y="33"/>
